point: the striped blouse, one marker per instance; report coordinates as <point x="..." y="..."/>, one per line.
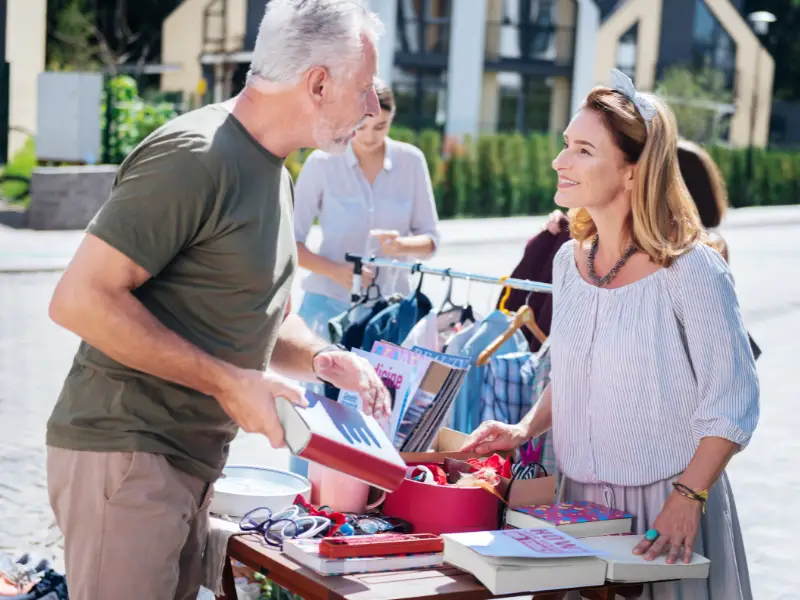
<point x="641" y="373"/>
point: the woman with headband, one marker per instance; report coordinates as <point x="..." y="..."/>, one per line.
<point x="653" y="384"/>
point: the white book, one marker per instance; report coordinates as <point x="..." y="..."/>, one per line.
<point x="525" y="560"/>
<point x="626" y="567"/>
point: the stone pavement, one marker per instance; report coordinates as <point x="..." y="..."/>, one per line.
<point x="28" y="250"/>
<point x="35" y="355"/>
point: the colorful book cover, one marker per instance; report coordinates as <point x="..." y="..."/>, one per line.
<point x="568" y="513"/>
<point x="396" y="375"/>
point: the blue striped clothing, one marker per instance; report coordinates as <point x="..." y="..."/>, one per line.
<point x="641" y="373"/>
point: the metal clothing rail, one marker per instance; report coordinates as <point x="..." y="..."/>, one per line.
<point x="418" y="267"/>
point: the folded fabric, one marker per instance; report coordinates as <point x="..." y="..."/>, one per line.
<point x="220" y="532"/>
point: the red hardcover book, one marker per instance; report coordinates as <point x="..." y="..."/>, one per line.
<point x="342" y="438"/>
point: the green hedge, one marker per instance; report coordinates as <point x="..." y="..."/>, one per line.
<point x="511" y="174"/>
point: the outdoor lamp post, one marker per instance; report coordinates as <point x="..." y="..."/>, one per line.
<point x="760" y="21"/>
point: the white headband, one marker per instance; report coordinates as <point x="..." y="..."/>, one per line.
<point x="623" y="84"/>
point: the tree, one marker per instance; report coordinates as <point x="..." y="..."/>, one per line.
<point x="93" y="34"/>
<point x="699" y="100"/>
<point x="782" y="43"/>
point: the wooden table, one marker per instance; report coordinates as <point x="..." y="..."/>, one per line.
<point x="446" y="583"/>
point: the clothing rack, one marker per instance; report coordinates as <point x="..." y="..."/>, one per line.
<point x="418" y="267"/>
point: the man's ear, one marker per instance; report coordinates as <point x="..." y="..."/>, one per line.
<point x="316" y="80"/>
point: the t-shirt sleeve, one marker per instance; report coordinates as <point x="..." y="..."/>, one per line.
<point x="160" y="203"/>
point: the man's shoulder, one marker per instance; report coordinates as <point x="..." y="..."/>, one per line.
<point x="196" y="131"/>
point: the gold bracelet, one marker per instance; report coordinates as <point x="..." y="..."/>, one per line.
<point x="688" y="492"/>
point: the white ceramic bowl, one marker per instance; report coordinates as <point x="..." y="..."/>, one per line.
<point x="244" y="488"/>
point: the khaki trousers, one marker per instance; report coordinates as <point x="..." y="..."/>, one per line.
<point x="134" y="526"/>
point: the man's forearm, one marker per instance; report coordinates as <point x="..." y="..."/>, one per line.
<point x="123" y="329"/>
<point x="294" y="352"/>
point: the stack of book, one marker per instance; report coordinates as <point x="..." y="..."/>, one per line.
<point x="516" y="561"/>
<point x="340" y="436"/>
<point x="366" y="554"/>
<point x="423" y="385"/>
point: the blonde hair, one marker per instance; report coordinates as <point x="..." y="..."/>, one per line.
<point x="663" y="222"/>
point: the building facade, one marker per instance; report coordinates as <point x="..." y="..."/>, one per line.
<point x="643" y="39"/>
<point x="468" y="67"/>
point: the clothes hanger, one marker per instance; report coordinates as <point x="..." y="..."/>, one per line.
<point x="366" y="298"/>
<point x="523" y="318"/>
<point x="449" y="314"/>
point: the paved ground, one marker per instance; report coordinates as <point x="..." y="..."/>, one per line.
<point x="35" y="355"/>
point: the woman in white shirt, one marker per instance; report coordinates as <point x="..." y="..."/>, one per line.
<point x="376" y="198"/>
<point x="654" y="386"/>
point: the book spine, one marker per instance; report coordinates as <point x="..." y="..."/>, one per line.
<point x="379" y="473"/>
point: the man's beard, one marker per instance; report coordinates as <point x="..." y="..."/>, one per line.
<point x="328" y="139"/>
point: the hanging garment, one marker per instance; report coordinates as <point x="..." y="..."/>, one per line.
<point x="467" y="405"/>
<point x="395" y="322"/>
<point x="512" y="385"/>
<point x="425" y="334"/>
<point x="354" y="326"/>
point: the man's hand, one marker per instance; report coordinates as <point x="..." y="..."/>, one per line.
<point x="250" y="401"/>
<point x="349" y="372"/>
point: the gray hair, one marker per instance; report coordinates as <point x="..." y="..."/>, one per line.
<point x="296" y="35"/>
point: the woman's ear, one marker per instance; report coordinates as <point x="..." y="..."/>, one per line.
<point x="630" y="177"/>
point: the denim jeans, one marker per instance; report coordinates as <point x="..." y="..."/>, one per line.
<point x="316" y="310"/>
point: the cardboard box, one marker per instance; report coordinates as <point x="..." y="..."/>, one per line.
<point x="446" y="444"/>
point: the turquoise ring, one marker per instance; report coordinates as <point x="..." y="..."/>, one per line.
<point x="651" y="535"/>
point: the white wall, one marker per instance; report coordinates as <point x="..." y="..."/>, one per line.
<point x="586" y="31"/>
<point x="465" y="67"/>
<point x="387" y="12"/>
<point x="26" y="30"/>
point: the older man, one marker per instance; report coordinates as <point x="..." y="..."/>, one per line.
<point x="180" y="293"/>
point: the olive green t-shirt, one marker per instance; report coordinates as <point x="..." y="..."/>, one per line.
<point x="207" y="212"/>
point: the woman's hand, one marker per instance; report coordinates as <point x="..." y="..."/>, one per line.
<point x="390" y="241"/>
<point x="492" y="436"/>
<point x="677" y="525"/>
<point x="553" y="224"/>
<point x="344" y="276"/>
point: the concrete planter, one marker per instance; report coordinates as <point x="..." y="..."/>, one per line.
<point x="68" y="197"/>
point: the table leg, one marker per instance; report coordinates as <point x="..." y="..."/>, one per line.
<point x="228" y="583"/>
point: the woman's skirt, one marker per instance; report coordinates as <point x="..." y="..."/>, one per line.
<point x="719" y="538"/>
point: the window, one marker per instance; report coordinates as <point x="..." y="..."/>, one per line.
<point x="423" y="26"/>
<point x="421" y="97"/>
<point x="626" y="52"/>
<point x="523" y="103"/>
<point x="713" y="46"/>
<point x="529" y="29"/>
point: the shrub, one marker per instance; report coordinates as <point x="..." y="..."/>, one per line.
<point x="132" y="118"/>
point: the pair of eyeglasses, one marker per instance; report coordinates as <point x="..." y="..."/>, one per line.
<point x="291" y="523"/>
<point x="373" y="524"/>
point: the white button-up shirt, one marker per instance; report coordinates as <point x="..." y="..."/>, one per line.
<point x="334" y="190"/>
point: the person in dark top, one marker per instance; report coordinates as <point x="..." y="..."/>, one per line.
<point x="707" y="188"/>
